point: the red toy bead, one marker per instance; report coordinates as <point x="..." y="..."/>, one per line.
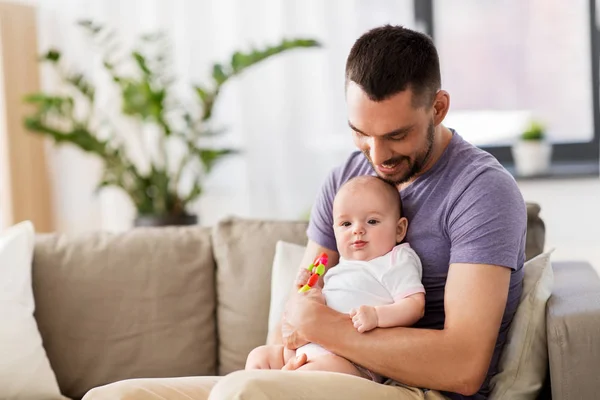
<point x="313" y="280"/>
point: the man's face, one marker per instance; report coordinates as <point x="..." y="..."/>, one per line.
<point x="396" y="137"/>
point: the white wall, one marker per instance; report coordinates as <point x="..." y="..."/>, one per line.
<point x="571" y="212"/>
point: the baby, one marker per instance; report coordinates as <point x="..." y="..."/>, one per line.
<point x="377" y="281"/>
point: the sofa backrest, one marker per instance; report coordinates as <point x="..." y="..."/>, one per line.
<point x="117" y="306"/>
<point x="244" y="251"/>
<point x="161" y="302"/>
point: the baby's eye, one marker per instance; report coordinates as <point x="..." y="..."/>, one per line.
<point x="373" y="222"/>
<point x="345" y="224"/>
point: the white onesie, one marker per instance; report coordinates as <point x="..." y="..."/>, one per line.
<point x="380" y="281"/>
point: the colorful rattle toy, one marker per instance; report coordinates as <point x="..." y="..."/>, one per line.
<point x="318" y="269"/>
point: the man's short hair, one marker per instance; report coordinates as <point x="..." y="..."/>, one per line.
<point x="390" y="59"/>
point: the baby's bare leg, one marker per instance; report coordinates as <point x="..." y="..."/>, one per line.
<point x="331" y="363"/>
<point x="268" y="357"/>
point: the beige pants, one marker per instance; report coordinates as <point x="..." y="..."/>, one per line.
<point x="259" y="385"/>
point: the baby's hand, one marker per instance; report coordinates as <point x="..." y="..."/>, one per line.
<point x="364" y="319"/>
<point x="302" y="277"/>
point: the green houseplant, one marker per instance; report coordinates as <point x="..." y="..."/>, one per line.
<point x="535" y="131"/>
<point x="143" y="83"/>
<point x="532" y="152"/>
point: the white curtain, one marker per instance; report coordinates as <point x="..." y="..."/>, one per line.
<point x="287" y="114"/>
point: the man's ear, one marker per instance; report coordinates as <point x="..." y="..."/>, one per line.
<point x="401" y="229"/>
<point x="441" y="104"/>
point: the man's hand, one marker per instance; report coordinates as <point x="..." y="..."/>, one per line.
<point x="289" y="335"/>
<point x="299" y="314"/>
<point x="365" y="319"/>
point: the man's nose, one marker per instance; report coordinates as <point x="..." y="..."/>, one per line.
<point x="380" y="151"/>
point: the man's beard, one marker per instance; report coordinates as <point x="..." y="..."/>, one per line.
<point x="414" y="166"/>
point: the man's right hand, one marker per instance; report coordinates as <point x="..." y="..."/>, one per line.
<point x="290" y="337"/>
<point x="298" y="312"/>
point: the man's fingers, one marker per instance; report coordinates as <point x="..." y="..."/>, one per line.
<point x="295" y="363"/>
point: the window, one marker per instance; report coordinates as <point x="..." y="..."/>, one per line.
<point x="507" y="62"/>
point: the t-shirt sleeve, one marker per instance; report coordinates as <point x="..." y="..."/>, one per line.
<point x="488" y="222"/>
<point x="403" y="278"/>
<point x="320" y="226"/>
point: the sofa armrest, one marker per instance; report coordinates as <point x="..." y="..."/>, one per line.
<point x="573" y="328"/>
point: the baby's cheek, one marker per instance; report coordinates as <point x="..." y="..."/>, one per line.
<point x="385" y="240"/>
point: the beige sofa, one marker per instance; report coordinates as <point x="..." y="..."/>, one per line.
<point x="163" y="302"/>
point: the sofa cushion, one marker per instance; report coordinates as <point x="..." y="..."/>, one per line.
<point x="524" y="361"/>
<point x="23" y="359"/>
<point x="116" y="306"/>
<point x="288" y="257"/>
<point x="244" y="251"/>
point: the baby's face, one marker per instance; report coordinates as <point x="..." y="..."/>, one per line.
<point x="365" y="222"/>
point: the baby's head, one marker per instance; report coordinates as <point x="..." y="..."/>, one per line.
<point x="367" y="218"/>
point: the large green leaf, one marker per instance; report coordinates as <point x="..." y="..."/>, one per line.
<point x="141" y="63"/>
<point x="240" y="60"/>
<point x="209" y="157"/>
<point x="78" y="137"/>
<point x="219" y="74"/>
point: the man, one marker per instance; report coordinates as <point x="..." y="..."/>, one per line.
<point x="467" y="222"/>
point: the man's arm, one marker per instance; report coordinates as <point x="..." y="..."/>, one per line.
<point x="312" y="250"/>
<point x="454" y="359"/>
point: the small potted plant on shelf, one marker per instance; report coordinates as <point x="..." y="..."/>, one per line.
<point x="162" y="189"/>
<point x="532" y="151"/>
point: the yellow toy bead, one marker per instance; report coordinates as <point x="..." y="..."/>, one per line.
<point x="304" y="288"/>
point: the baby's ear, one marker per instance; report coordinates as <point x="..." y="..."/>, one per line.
<point x="401" y="229"/>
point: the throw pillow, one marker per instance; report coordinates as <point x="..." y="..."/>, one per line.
<point x="524" y="360"/>
<point x="286" y="262"/>
<point x="25" y="371"/>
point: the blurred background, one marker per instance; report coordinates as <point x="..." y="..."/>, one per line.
<point x="522" y="76"/>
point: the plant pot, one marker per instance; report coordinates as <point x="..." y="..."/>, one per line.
<point x="532" y="157"/>
<point x="165" y="220"/>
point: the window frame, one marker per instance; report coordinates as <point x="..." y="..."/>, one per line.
<point x="571" y="154"/>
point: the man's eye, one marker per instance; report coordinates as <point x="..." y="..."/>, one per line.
<point x="397" y="138"/>
<point x="373" y="221"/>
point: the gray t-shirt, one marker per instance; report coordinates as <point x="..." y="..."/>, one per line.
<point x="466" y="209"/>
